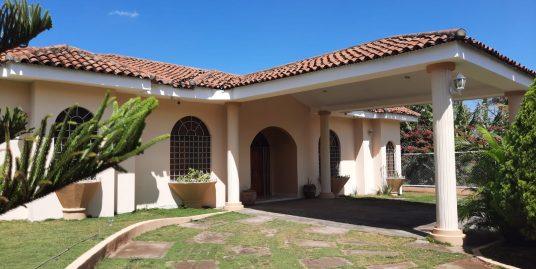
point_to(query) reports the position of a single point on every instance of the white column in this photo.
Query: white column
(446, 229)
(515, 98)
(233, 182)
(325, 170)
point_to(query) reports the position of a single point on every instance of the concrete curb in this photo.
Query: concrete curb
(478, 254)
(91, 257)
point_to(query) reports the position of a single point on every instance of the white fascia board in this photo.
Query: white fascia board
(387, 116)
(199, 94)
(47, 73)
(407, 62)
(492, 64)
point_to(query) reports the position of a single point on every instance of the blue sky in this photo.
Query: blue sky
(244, 36)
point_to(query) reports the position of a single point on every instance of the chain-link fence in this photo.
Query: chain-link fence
(418, 168)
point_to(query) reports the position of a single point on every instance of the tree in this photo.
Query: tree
(20, 23)
(92, 147)
(506, 174)
(516, 195)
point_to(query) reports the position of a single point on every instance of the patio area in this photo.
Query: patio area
(403, 218)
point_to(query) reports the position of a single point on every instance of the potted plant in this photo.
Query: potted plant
(337, 183)
(74, 198)
(248, 197)
(309, 189)
(191, 188)
(395, 182)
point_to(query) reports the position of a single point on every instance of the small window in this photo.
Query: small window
(334, 153)
(189, 147)
(390, 152)
(77, 116)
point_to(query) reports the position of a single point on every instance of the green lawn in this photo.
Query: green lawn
(283, 252)
(406, 196)
(26, 244)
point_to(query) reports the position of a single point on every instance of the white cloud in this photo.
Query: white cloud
(131, 14)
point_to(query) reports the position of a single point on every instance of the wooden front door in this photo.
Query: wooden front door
(260, 166)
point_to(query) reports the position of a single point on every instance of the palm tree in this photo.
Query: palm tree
(20, 23)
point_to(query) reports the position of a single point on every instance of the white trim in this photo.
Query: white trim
(492, 64)
(198, 94)
(49, 73)
(388, 66)
(387, 116)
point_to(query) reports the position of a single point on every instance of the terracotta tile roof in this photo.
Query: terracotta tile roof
(174, 75)
(396, 110)
(71, 58)
(380, 48)
(188, 77)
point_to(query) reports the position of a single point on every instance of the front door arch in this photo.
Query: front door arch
(274, 163)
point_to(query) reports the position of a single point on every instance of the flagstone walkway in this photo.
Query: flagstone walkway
(253, 240)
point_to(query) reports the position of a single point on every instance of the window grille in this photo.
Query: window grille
(334, 153)
(77, 116)
(189, 146)
(390, 152)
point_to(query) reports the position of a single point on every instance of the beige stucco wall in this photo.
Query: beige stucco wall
(15, 94)
(282, 112)
(362, 143)
(152, 168)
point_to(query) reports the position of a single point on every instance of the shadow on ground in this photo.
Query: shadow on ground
(381, 213)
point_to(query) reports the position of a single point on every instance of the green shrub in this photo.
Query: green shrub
(515, 197)
(506, 175)
(194, 176)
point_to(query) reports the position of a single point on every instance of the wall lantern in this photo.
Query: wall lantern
(458, 84)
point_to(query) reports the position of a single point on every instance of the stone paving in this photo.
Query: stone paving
(142, 250)
(339, 242)
(470, 263)
(210, 237)
(314, 243)
(324, 262)
(400, 265)
(206, 264)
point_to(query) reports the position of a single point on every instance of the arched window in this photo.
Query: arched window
(189, 146)
(77, 116)
(390, 157)
(334, 153)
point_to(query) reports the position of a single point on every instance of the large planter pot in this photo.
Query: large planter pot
(337, 184)
(75, 197)
(191, 193)
(309, 191)
(395, 184)
(248, 197)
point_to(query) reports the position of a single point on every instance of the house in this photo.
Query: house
(272, 130)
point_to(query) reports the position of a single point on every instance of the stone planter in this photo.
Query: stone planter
(337, 184)
(74, 198)
(309, 191)
(248, 197)
(395, 184)
(191, 193)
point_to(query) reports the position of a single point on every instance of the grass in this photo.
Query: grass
(416, 197)
(284, 254)
(26, 244)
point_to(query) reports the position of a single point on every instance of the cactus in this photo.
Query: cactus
(92, 147)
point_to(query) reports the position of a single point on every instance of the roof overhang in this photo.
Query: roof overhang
(385, 116)
(487, 76)
(370, 84)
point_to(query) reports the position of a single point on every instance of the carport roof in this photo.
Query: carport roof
(177, 76)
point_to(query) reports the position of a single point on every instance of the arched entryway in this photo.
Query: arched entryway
(274, 164)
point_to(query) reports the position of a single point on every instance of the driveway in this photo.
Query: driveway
(371, 212)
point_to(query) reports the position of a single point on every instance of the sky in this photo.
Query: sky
(243, 36)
